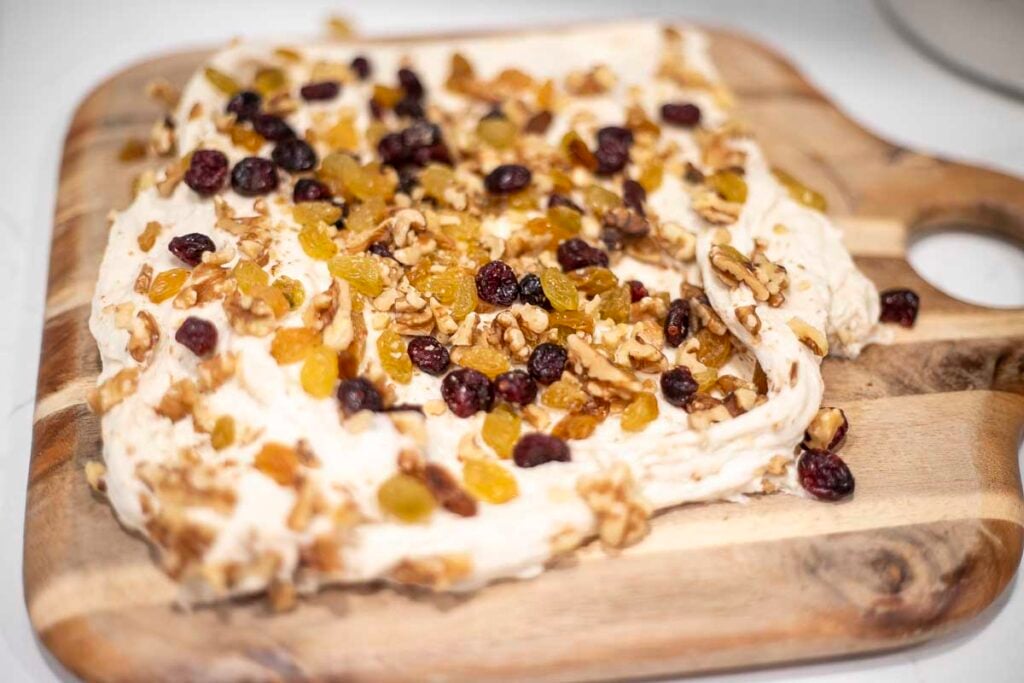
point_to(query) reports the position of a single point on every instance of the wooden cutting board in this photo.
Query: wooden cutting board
(931, 537)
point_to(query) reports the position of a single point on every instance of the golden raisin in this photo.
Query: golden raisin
(559, 289)
(366, 216)
(269, 81)
(651, 176)
(594, 280)
(488, 481)
(221, 81)
(729, 185)
(319, 371)
(599, 200)
(577, 152)
(147, 238)
(501, 430)
(246, 138)
(167, 284)
(292, 289)
(360, 271)
(273, 297)
(489, 361)
(466, 300)
(706, 379)
(309, 214)
(616, 304)
(343, 134)
(249, 275)
(640, 412)
(800, 192)
(386, 96)
(394, 359)
(316, 242)
(496, 131)
(279, 462)
(565, 395)
(132, 150)
(223, 434)
(524, 200)
(565, 222)
(435, 179)
(714, 350)
(575, 426)
(406, 498)
(292, 344)
(573, 320)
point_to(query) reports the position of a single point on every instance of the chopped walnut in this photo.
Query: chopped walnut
(95, 472)
(413, 315)
(216, 370)
(536, 417)
(827, 430)
(339, 331)
(207, 283)
(810, 336)
(161, 137)
(446, 489)
(466, 335)
(178, 401)
(516, 329)
(113, 391)
(438, 572)
(747, 317)
(707, 412)
(766, 280)
(641, 348)
(677, 241)
(629, 223)
(174, 172)
(144, 279)
(249, 315)
(614, 497)
(740, 401)
(144, 336)
(601, 370)
(597, 80)
(162, 91)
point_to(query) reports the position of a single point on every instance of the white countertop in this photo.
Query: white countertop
(52, 52)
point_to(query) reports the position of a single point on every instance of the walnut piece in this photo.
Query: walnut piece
(827, 430)
(601, 370)
(143, 336)
(437, 572)
(144, 279)
(809, 336)
(113, 391)
(614, 498)
(249, 315)
(766, 280)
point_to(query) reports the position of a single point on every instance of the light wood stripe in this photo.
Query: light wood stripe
(876, 237)
(71, 394)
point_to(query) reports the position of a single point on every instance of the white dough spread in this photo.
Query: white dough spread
(235, 456)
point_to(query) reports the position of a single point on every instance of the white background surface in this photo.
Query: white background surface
(52, 53)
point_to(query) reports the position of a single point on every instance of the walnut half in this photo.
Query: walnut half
(613, 496)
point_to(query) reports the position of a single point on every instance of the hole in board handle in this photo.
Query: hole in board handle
(969, 263)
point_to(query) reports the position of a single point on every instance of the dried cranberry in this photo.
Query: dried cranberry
(612, 238)
(467, 392)
(899, 306)
(557, 199)
(207, 171)
(678, 385)
(677, 322)
(254, 176)
(496, 283)
(681, 114)
(547, 362)
(189, 248)
(515, 386)
(507, 178)
(361, 67)
(408, 178)
(376, 111)
(531, 291)
(536, 449)
(611, 158)
(436, 152)
(310, 190)
(380, 249)
(294, 155)
(421, 134)
(358, 394)
(574, 254)
(272, 127)
(429, 355)
(410, 108)
(824, 475)
(244, 105)
(614, 135)
(637, 290)
(324, 90)
(634, 195)
(410, 83)
(197, 335)
(539, 123)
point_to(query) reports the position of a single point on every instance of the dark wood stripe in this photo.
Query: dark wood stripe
(71, 352)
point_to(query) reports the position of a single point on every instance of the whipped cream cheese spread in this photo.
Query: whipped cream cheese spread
(224, 440)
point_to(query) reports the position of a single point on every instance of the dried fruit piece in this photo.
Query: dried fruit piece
(575, 426)
(565, 222)
(254, 176)
(714, 350)
(594, 280)
(292, 290)
(147, 238)
(221, 81)
(899, 306)
(800, 192)
(279, 462)
(729, 185)
(824, 475)
(316, 242)
(559, 290)
(360, 271)
(531, 291)
(292, 344)
(319, 371)
(244, 105)
(223, 434)
(394, 357)
(677, 322)
(576, 151)
(197, 335)
(429, 355)
(490, 362)
(574, 254)
(496, 284)
(467, 392)
(207, 171)
(507, 179)
(366, 216)
(310, 190)
(294, 155)
(684, 114)
(565, 395)
(322, 90)
(637, 290)
(435, 180)
(189, 248)
(272, 127)
(496, 131)
(641, 411)
(358, 394)
(501, 430)
(269, 81)
(406, 498)
(167, 284)
(615, 305)
(599, 200)
(547, 362)
(573, 320)
(515, 387)
(249, 275)
(651, 176)
(678, 386)
(488, 481)
(537, 449)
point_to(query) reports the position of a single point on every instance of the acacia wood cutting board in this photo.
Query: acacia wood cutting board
(930, 539)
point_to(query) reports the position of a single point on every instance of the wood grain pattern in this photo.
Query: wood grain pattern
(931, 537)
